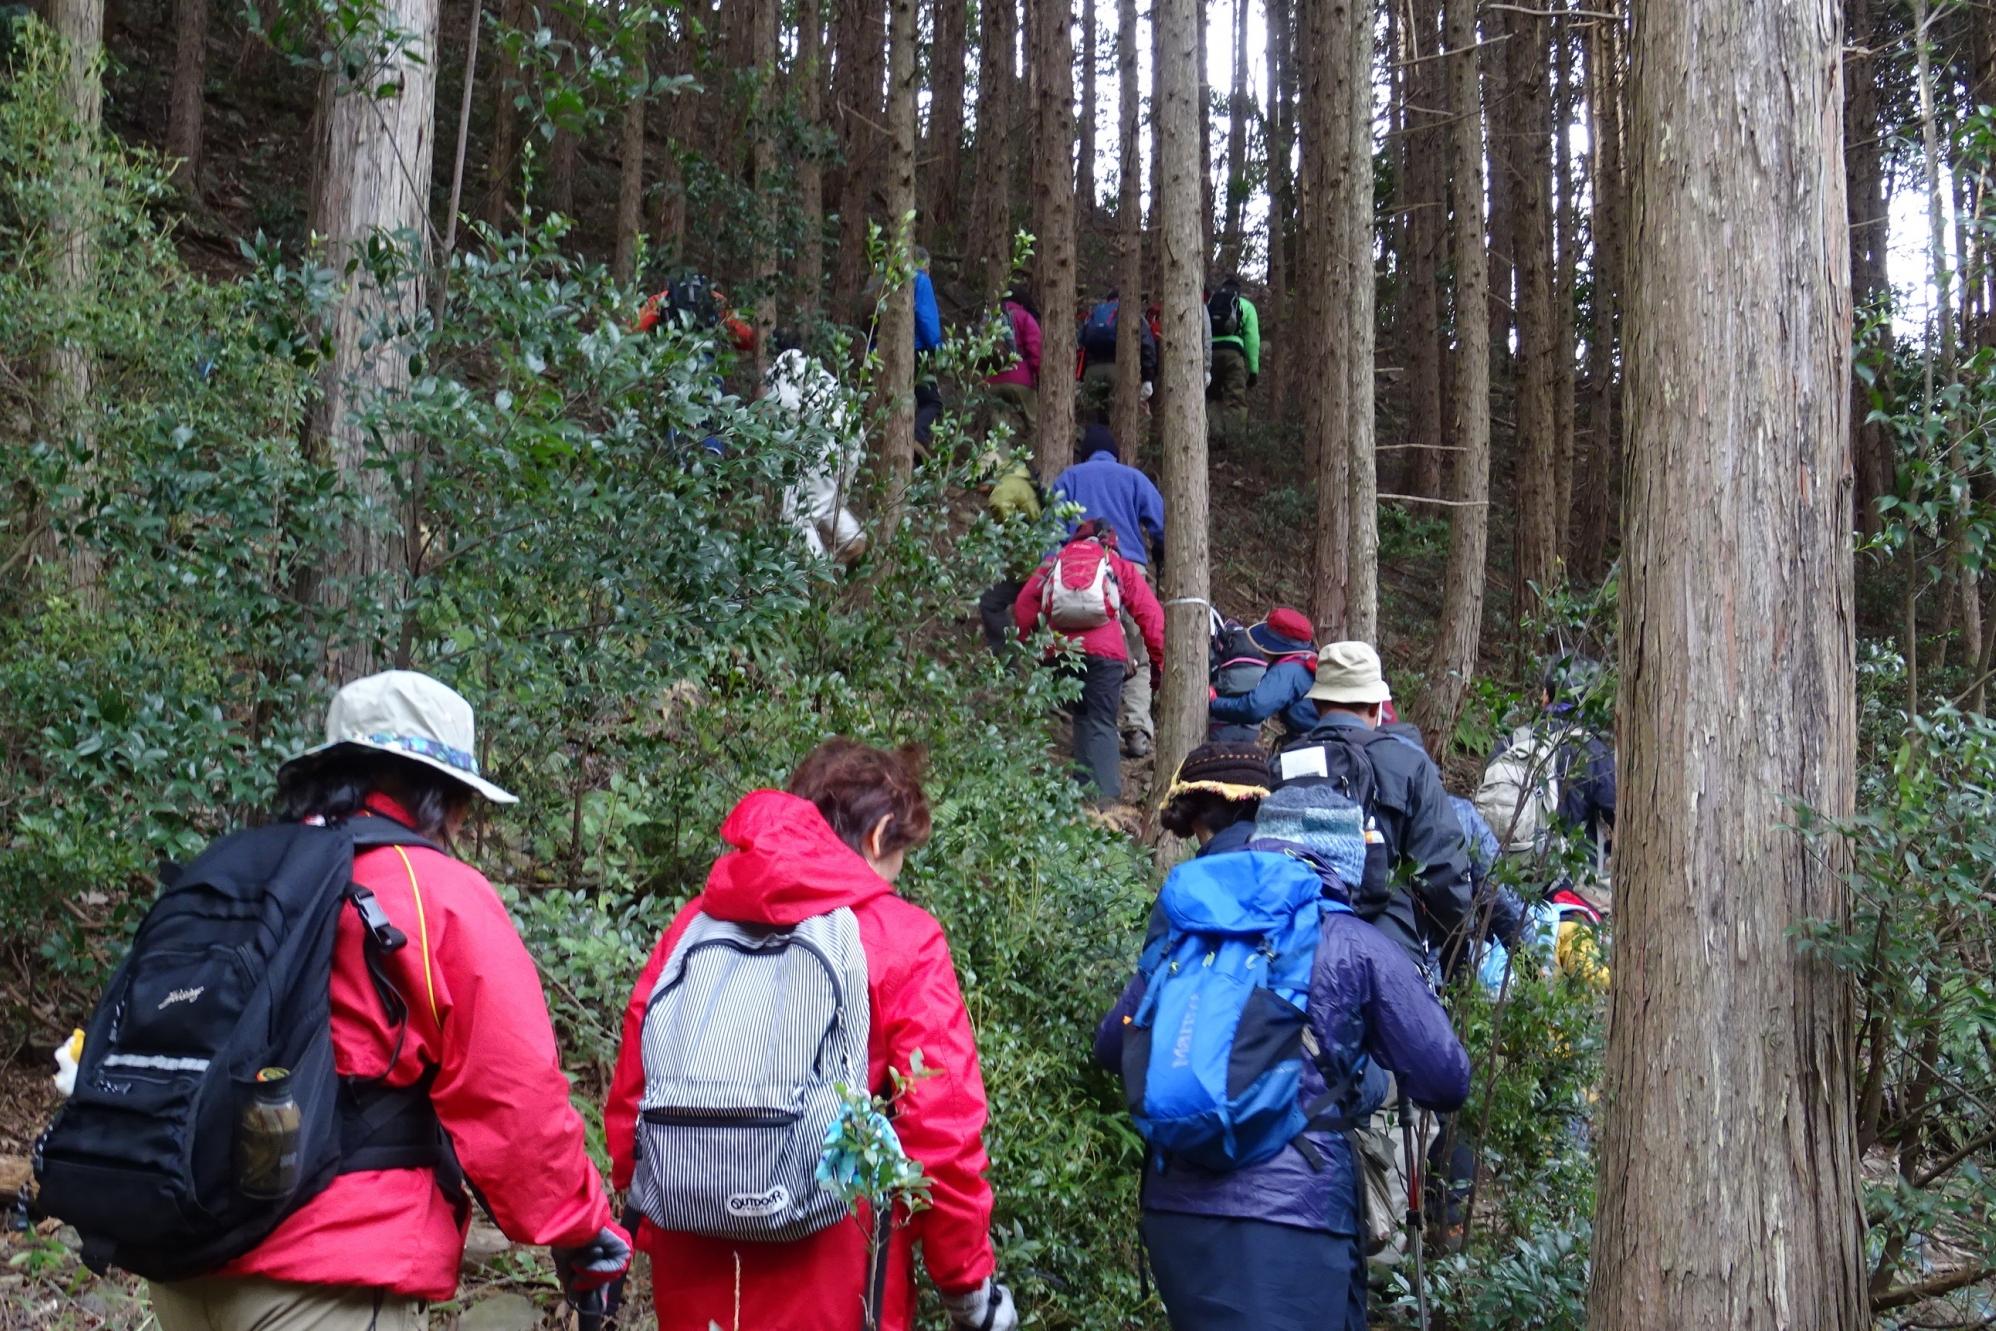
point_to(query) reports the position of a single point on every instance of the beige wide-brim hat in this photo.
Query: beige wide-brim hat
(1349, 672)
(412, 716)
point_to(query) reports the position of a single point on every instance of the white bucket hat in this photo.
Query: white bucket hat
(1348, 672)
(411, 716)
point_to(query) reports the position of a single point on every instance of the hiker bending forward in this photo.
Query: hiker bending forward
(702, 1120)
(1275, 1245)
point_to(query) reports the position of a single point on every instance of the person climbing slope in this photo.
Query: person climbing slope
(721, 1101)
(1111, 492)
(816, 406)
(1015, 387)
(1236, 345)
(439, 1033)
(1259, 1227)
(1082, 592)
(1098, 344)
(1285, 641)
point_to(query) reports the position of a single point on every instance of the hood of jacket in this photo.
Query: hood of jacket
(786, 866)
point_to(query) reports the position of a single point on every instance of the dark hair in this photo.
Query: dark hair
(856, 785)
(786, 339)
(1023, 298)
(337, 785)
(1194, 809)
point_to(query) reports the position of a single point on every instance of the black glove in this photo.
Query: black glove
(1253, 379)
(596, 1263)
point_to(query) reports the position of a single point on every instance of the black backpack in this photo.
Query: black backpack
(1238, 663)
(1225, 310)
(1336, 757)
(229, 974)
(1098, 334)
(692, 294)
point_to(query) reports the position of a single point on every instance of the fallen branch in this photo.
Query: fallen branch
(1445, 503)
(1931, 1289)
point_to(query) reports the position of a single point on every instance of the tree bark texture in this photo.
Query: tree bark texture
(566, 146)
(1181, 122)
(1500, 111)
(858, 91)
(897, 316)
(631, 165)
(71, 371)
(1358, 336)
(997, 115)
(1053, 223)
(502, 159)
(1459, 634)
(1424, 159)
(1598, 491)
(942, 159)
(1276, 131)
(1205, 136)
(374, 177)
(1729, 1184)
(1870, 232)
(808, 81)
(1128, 411)
(1565, 283)
(1084, 170)
(186, 101)
(1239, 107)
(764, 152)
(1530, 121)
(1318, 317)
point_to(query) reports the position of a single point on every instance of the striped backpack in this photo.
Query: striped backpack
(747, 1037)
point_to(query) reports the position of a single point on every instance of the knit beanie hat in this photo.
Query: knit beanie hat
(1318, 821)
(1231, 771)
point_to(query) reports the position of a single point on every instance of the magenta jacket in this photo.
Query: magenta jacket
(1025, 332)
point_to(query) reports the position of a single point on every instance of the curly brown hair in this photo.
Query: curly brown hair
(855, 785)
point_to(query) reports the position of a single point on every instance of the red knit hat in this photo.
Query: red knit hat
(1291, 624)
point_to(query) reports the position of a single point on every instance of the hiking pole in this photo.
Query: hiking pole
(1415, 1223)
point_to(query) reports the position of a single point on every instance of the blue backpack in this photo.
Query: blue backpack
(1213, 1056)
(1098, 334)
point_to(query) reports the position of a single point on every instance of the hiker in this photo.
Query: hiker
(435, 1024)
(1015, 388)
(1417, 886)
(690, 301)
(1280, 689)
(1015, 497)
(1124, 498)
(1556, 775)
(1261, 1226)
(721, 1100)
(1213, 798)
(1097, 341)
(1236, 344)
(812, 400)
(1082, 592)
(928, 338)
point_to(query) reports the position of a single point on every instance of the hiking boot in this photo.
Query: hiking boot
(1136, 744)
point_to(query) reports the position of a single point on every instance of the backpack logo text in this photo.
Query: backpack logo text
(181, 996)
(773, 1202)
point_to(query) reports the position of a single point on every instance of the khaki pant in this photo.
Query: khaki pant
(268, 1305)
(1382, 1160)
(1136, 717)
(1020, 406)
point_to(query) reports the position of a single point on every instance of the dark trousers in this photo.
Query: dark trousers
(928, 409)
(1098, 749)
(994, 608)
(1229, 376)
(1217, 1273)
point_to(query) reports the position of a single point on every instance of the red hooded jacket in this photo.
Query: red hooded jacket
(477, 1016)
(787, 866)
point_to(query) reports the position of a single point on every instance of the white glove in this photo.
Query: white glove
(1209, 378)
(986, 1308)
(1147, 387)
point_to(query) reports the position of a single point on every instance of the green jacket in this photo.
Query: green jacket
(1014, 495)
(1248, 340)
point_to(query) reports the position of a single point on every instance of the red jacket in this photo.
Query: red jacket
(787, 866)
(1104, 640)
(476, 1015)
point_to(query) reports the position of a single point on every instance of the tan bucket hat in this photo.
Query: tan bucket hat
(412, 716)
(1349, 672)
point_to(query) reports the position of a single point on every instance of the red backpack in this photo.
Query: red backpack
(1080, 591)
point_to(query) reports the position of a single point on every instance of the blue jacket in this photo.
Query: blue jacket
(1284, 691)
(1366, 999)
(1121, 496)
(928, 317)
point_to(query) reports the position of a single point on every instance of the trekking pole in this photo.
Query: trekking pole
(1415, 1222)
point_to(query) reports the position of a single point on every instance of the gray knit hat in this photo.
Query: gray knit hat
(1315, 819)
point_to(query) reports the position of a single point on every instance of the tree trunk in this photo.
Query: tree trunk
(1598, 491)
(1053, 223)
(1497, 96)
(503, 158)
(1239, 107)
(1423, 166)
(374, 172)
(185, 99)
(70, 372)
(897, 316)
(1084, 186)
(942, 160)
(631, 164)
(808, 82)
(991, 194)
(1537, 428)
(1870, 228)
(764, 38)
(565, 148)
(1565, 282)
(1205, 138)
(1320, 316)
(860, 75)
(1276, 126)
(1736, 692)
(1457, 637)
(1128, 420)
(1182, 702)
(1357, 337)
